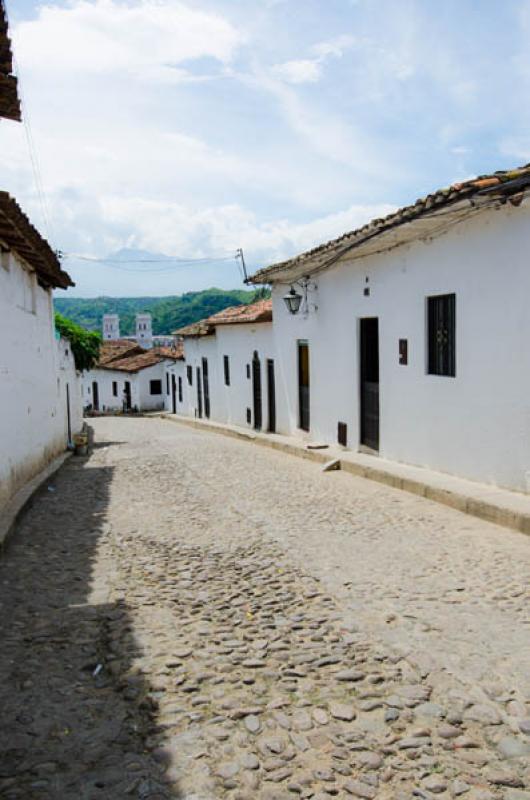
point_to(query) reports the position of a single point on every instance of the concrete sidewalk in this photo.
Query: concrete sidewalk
(500, 506)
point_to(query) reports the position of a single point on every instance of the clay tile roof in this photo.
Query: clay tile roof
(505, 184)
(201, 328)
(9, 99)
(256, 312)
(114, 349)
(175, 352)
(18, 234)
(134, 362)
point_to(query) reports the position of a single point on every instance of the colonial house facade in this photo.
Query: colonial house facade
(408, 338)
(227, 369)
(127, 378)
(39, 388)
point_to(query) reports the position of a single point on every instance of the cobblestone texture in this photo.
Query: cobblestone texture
(187, 616)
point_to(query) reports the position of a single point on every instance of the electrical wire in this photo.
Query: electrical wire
(32, 150)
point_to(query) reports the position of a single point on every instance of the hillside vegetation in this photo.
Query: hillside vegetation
(169, 313)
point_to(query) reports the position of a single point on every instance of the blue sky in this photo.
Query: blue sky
(193, 128)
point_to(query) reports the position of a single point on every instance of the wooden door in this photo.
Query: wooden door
(128, 401)
(369, 382)
(206, 387)
(174, 393)
(95, 396)
(303, 385)
(271, 395)
(68, 415)
(199, 392)
(256, 391)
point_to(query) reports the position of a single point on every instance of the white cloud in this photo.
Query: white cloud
(147, 38)
(309, 70)
(303, 71)
(174, 228)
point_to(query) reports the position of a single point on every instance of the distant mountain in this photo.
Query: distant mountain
(169, 313)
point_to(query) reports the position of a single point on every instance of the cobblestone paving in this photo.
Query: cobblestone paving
(175, 625)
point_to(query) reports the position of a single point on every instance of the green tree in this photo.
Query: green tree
(85, 344)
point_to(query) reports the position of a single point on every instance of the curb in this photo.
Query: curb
(24, 497)
(482, 509)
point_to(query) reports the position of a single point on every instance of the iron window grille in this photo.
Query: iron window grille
(441, 323)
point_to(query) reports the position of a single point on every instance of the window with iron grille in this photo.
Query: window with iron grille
(115, 388)
(441, 324)
(189, 372)
(155, 387)
(226, 363)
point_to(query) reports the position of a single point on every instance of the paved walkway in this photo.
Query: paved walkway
(186, 616)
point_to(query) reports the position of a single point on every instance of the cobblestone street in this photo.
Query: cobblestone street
(184, 615)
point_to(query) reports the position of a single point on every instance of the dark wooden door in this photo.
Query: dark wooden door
(128, 402)
(303, 386)
(174, 393)
(95, 396)
(199, 392)
(369, 332)
(68, 414)
(271, 395)
(256, 390)
(206, 386)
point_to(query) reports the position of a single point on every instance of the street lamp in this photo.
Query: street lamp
(292, 300)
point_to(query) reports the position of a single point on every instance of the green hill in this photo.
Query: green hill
(169, 313)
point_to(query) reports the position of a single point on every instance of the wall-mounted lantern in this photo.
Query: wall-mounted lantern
(296, 302)
(292, 300)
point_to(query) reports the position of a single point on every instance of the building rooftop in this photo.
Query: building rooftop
(261, 311)
(126, 356)
(9, 97)
(427, 216)
(256, 312)
(114, 349)
(18, 234)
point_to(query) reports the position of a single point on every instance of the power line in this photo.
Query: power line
(33, 155)
(165, 260)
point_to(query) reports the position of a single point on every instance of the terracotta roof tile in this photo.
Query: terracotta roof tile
(135, 362)
(503, 184)
(18, 234)
(261, 311)
(9, 97)
(256, 312)
(114, 349)
(126, 356)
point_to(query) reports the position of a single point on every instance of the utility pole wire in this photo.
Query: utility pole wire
(240, 255)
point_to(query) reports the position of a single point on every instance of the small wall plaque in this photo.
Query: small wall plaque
(403, 351)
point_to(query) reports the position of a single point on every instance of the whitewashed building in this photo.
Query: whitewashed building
(409, 336)
(228, 371)
(40, 397)
(127, 378)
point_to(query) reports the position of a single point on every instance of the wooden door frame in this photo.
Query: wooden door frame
(363, 446)
(174, 393)
(271, 396)
(301, 343)
(257, 395)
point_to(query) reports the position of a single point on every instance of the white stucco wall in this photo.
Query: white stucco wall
(141, 397)
(228, 404)
(34, 371)
(475, 425)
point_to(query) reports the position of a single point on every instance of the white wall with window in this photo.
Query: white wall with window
(465, 409)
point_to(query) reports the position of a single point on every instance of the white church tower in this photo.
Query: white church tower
(144, 330)
(111, 327)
